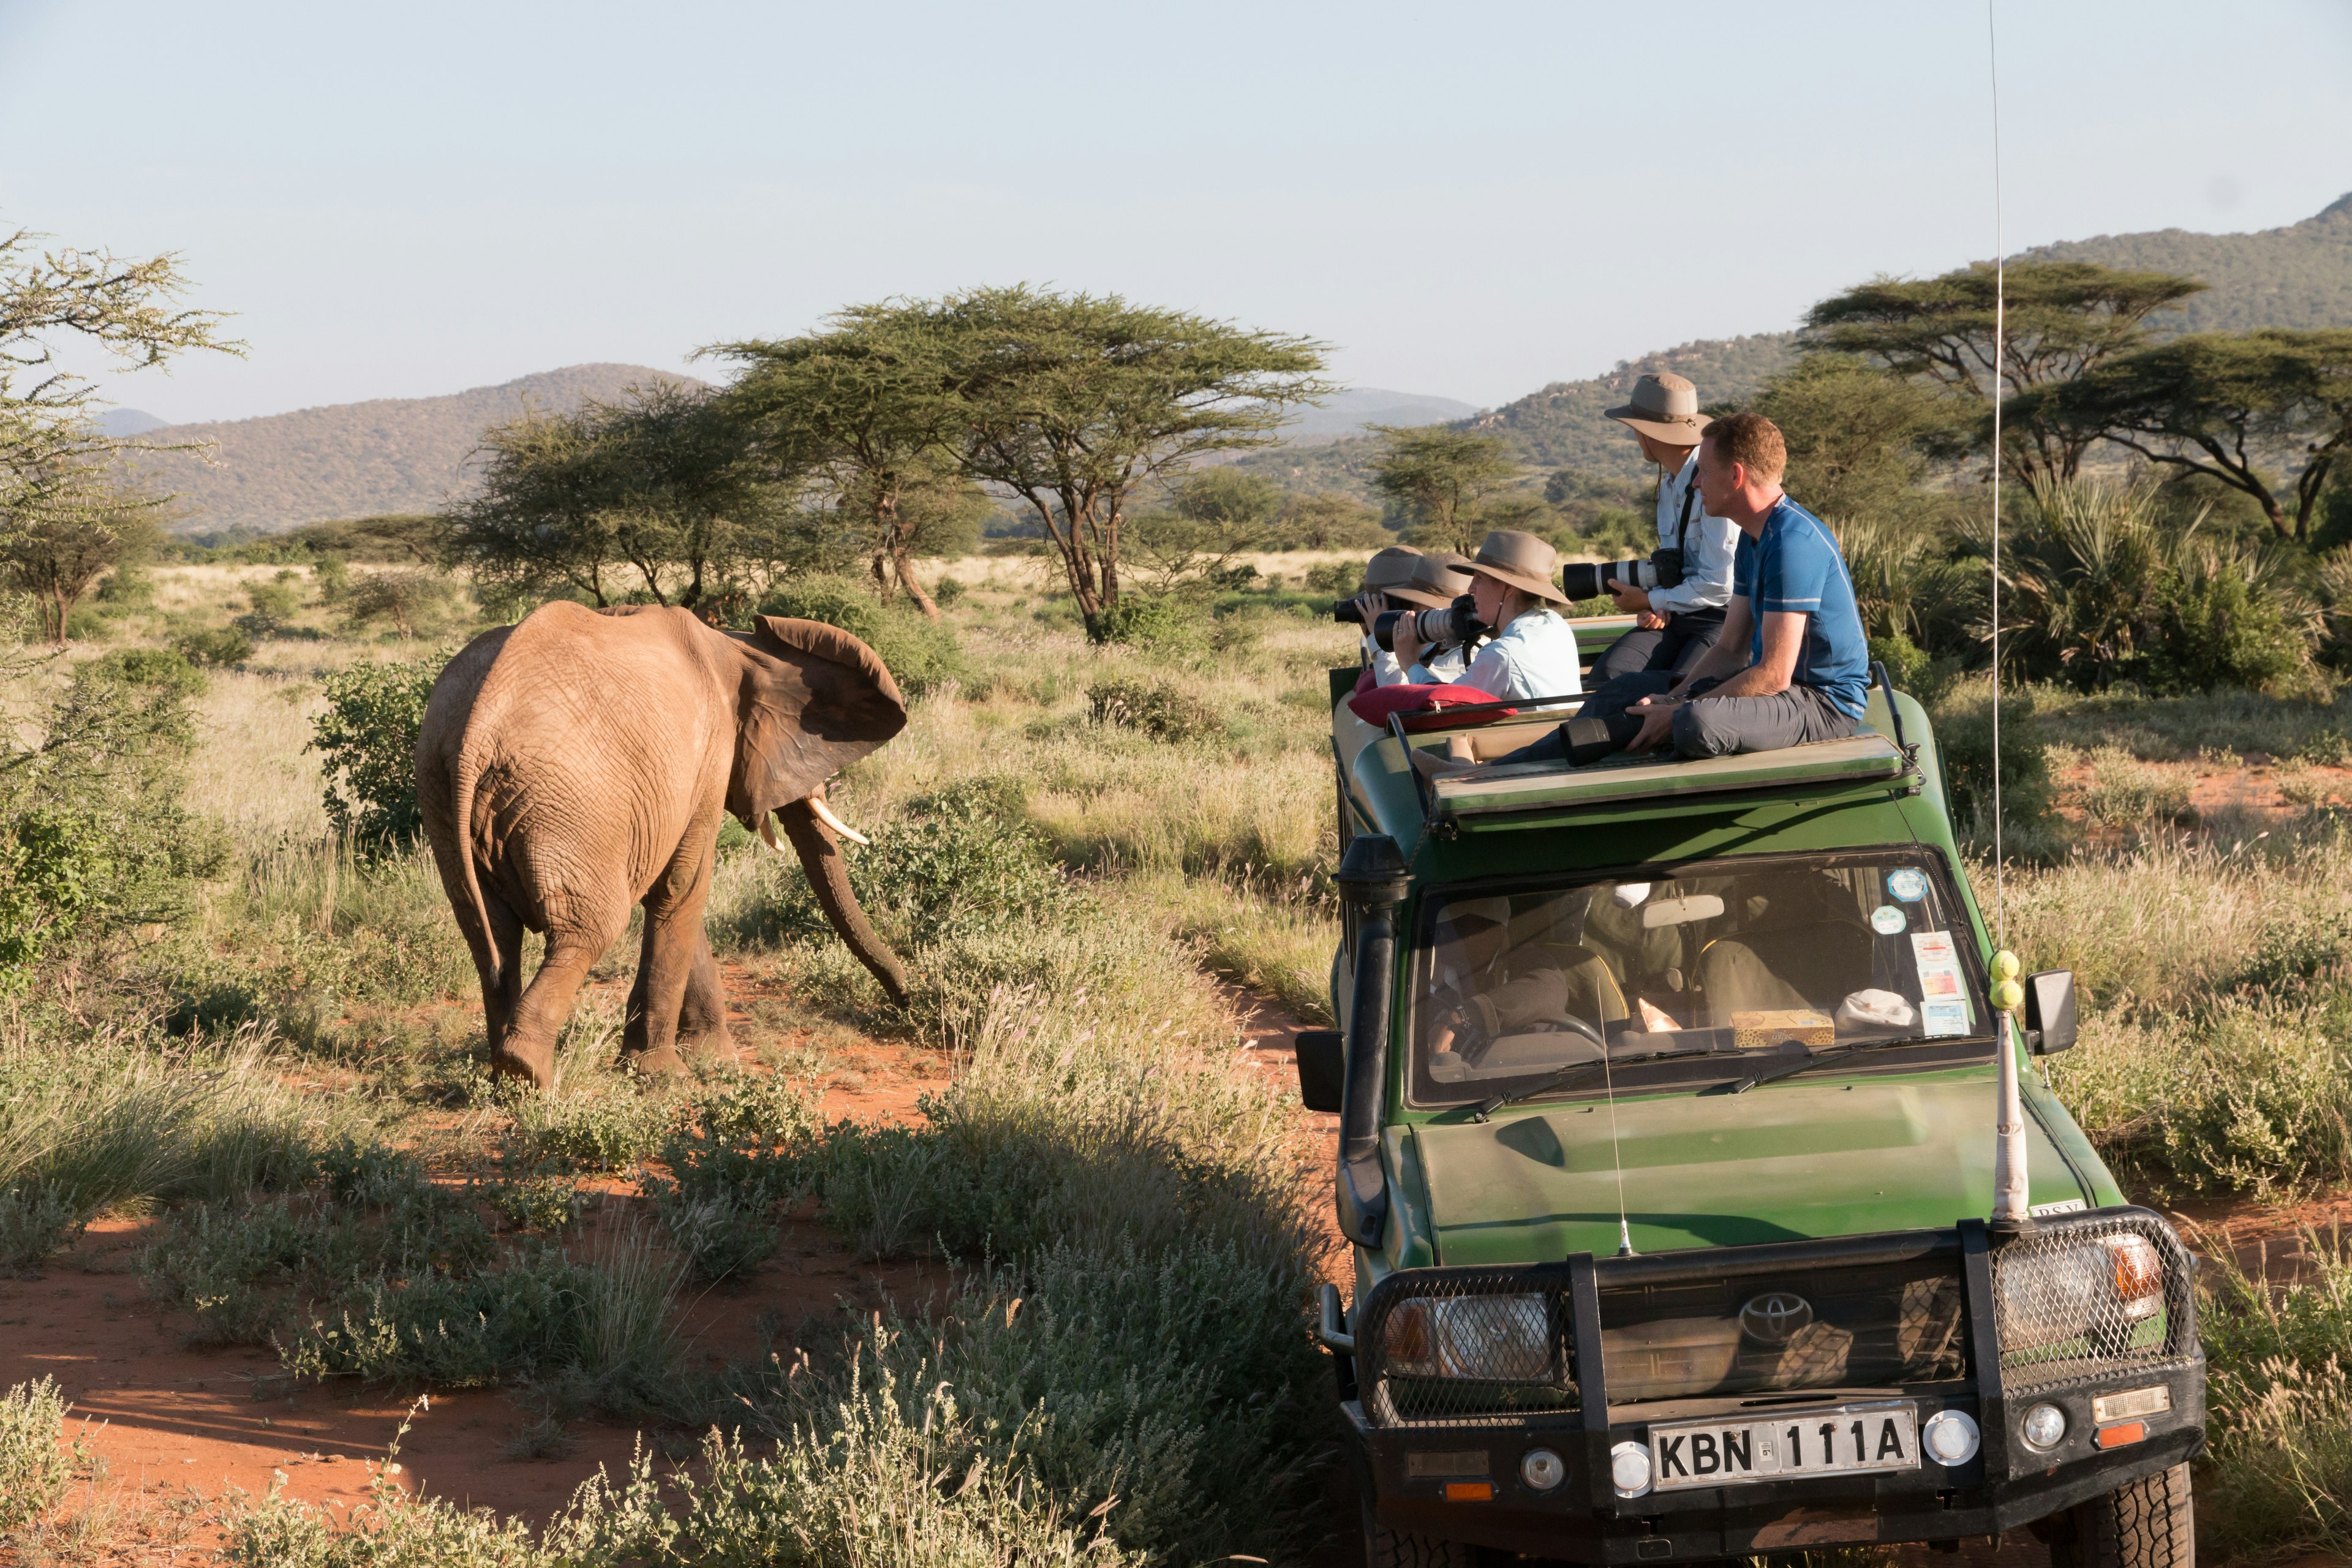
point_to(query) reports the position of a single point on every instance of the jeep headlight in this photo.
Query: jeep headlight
(2099, 1288)
(1491, 1339)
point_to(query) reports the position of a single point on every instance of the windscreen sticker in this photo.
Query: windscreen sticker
(1909, 884)
(1944, 1018)
(1886, 920)
(1939, 970)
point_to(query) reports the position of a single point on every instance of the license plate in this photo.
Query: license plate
(1841, 1440)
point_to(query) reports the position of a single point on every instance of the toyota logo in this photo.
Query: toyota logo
(1776, 1317)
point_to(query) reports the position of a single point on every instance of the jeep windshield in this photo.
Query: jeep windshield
(1692, 974)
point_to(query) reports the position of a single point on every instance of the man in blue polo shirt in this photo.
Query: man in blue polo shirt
(1792, 664)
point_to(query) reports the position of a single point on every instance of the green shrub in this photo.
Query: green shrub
(1169, 623)
(35, 1466)
(93, 838)
(1162, 710)
(332, 579)
(414, 603)
(34, 1222)
(368, 736)
(222, 647)
(2126, 793)
(1964, 734)
(607, 1319)
(275, 605)
(948, 592)
(961, 862)
(1906, 663)
(2278, 1473)
(921, 654)
(2216, 629)
(1339, 579)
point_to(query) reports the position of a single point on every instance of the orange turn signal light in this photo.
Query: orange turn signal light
(1469, 1491)
(2116, 1436)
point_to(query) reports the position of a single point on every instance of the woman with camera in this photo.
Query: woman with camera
(1531, 650)
(1681, 616)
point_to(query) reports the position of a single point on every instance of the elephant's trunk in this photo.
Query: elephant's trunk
(820, 854)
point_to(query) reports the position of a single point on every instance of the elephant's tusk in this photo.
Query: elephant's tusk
(824, 815)
(768, 832)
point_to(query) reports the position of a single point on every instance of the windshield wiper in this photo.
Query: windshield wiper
(1561, 1079)
(1812, 1060)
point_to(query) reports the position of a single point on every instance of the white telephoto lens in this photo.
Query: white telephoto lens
(1629, 1468)
(2044, 1425)
(1542, 1470)
(1951, 1437)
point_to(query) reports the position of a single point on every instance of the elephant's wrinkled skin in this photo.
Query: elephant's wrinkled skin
(579, 762)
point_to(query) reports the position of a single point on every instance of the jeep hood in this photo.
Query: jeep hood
(1784, 1162)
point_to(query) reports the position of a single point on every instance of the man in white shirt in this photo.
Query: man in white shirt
(1676, 625)
(1515, 578)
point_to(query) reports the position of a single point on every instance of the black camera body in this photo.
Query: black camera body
(1349, 612)
(1457, 623)
(1588, 579)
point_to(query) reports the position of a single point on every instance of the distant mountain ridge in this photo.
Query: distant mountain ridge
(2299, 276)
(359, 459)
(408, 455)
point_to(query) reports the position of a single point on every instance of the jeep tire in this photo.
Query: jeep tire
(2146, 1523)
(1386, 1548)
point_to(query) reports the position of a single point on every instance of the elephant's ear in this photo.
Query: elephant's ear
(813, 700)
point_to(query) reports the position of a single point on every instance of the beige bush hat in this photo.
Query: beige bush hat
(1437, 582)
(1665, 408)
(1521, 560)
(1391, 569)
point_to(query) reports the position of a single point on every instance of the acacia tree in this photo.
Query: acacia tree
(2063, 319)
(1440, 477)
(661, 488)
(62, 528)
(2243, 408)
(127, 308)
(1072, 402)
(865, 409)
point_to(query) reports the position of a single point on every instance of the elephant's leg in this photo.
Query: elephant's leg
(666, 965)
(702, 1020)
(546, 1005)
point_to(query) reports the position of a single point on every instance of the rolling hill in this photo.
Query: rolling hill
(357, 459)
(2299, 276)
(408, 455)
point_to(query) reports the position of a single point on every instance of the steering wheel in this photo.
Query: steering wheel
(1556, 1023)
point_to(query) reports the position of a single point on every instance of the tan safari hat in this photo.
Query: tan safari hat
(1437, 582)
(1665, 408)
(1521, 560)
(1391, 569)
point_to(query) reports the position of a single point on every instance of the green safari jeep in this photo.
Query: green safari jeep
(1667, 1098)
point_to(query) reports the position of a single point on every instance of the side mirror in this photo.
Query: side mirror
(2049, 1011)
(1322, 1068)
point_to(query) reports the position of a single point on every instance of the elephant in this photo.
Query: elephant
(578, 762)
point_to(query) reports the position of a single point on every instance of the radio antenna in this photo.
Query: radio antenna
(2012, 1189)
(1608, 1084)
(2000, 339)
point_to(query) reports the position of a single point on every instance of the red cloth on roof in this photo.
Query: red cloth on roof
(1374, 706)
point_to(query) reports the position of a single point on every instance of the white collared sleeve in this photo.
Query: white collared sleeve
(1706, 565)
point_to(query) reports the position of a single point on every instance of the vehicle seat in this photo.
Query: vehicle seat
(1816, 965)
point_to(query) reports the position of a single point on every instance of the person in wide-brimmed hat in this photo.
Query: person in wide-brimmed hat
(1401, 577)
(1515, 581)
(1674, 626)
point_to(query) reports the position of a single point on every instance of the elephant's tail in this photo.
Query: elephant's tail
(461, 804)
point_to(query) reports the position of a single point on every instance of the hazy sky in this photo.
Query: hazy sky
(1467, 200)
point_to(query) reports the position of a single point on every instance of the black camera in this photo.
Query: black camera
(1457, 623)
(1351, 611)
(1586, 579)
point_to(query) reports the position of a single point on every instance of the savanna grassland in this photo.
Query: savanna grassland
(1063, 1240)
